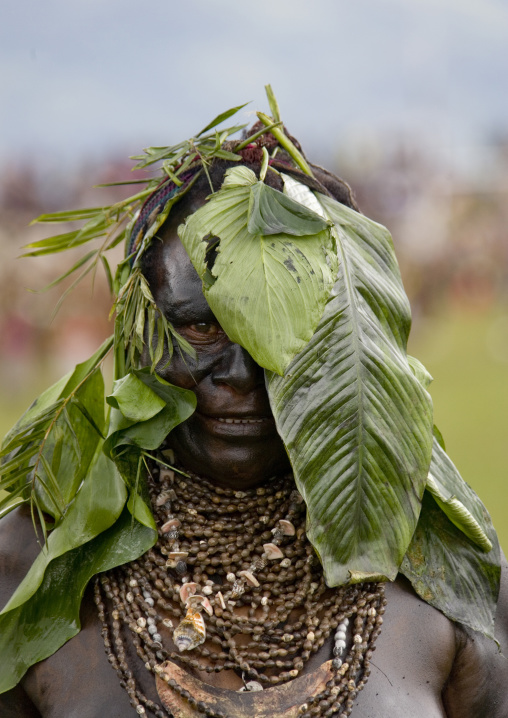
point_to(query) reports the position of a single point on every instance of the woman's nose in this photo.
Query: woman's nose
(238, 370)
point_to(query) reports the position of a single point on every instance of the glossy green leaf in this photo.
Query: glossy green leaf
(267, 292)
(36, 628)
(272, 212)
(221, 118)
(355, 420)
(96, 507)
(450, 572)
(134, 399)
(457, 500)
(164, 406)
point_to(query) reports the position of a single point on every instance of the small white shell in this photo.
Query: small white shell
(188, 589)
(249, 577)
(198, 603)
(220, 598)
(287, 527)
(272, 552)
(253, 686)
(167, 474)
(162, 498)
(170, 525)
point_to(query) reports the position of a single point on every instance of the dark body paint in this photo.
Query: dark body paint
(424, 665)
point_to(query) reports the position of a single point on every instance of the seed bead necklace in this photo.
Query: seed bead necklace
(235, 563)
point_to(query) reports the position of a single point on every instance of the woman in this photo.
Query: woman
(229, 613)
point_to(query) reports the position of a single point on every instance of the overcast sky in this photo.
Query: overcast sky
(86, 78)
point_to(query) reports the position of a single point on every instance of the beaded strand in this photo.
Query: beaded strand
(214, 541)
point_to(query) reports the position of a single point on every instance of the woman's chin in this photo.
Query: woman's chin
(227, 459)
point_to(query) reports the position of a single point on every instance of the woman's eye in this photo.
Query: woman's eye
(202, 332)
(208, 329)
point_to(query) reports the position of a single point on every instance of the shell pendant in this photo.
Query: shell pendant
(191, 631)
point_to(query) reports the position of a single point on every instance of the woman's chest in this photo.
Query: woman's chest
(79, 681)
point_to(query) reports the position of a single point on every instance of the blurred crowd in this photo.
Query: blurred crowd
(449, 228)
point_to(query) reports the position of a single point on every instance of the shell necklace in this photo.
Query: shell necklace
(233, 584)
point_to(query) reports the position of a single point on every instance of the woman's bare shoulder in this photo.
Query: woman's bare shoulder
(18, 550)
(478, 683)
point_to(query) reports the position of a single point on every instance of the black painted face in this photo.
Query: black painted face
(231, 438)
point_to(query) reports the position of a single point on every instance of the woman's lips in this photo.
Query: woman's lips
(238, 426)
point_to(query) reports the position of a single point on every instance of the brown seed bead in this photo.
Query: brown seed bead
(323, 610)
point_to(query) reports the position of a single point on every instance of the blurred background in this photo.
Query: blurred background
(406, 99)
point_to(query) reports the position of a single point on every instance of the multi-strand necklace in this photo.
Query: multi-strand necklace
(232, 565)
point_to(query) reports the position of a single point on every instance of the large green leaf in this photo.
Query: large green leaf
(96, 507)
(52, 446)
(146, 408)
(267, 291)
(37, 628)
(458, 500)
(355, 420)
(450, 572)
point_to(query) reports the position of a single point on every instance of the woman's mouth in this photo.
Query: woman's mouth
(229, 420)
(238, 426)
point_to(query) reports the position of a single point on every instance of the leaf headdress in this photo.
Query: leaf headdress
(312, 290)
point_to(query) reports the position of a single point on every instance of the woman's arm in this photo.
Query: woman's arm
(16, 704)
(478, 684)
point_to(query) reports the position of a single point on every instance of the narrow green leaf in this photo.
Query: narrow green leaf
(256, 135)
(15, 476)
(69, 289)
(285, 142)
(68, 423)
(86, 368)
(272, 101)
(18, 459)
(167, 169)
(159, 350)
(221, 118)
(225, 155)
(70, 215)
(107, 269)
(54, 491)
(83, 409)
(12, 500)
(83, 260)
